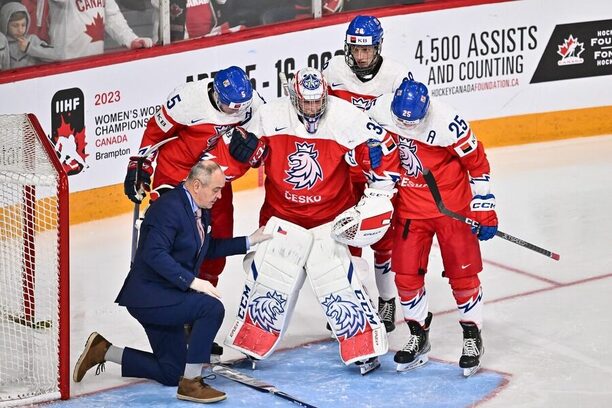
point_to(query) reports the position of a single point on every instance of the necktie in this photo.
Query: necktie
(198, 217)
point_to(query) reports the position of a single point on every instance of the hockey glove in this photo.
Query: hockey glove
(247, 148)
(138, 178)
(483, 208)
(376, 153)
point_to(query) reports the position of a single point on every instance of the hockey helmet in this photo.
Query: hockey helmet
(363, 31)
(308, 92)
(410, 103)
(233, 90)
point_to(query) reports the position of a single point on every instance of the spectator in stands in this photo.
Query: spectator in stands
(39, 18)
(196, 18)
(77, 28)
(24, 49)
(364, 4)
(5, 59)
(252, 13)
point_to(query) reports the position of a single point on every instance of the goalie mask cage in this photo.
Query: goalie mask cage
(34, 308)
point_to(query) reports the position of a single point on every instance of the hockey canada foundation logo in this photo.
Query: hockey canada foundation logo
(570, 51)
(68, 129)
(576, 50)
(304, 169)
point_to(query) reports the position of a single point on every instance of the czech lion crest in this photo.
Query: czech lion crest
(304, 169)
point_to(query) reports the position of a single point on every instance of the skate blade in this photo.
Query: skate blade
(468, 372)
(401, 367)
(252, 360)
(369, 367)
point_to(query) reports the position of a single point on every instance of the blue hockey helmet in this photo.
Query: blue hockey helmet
(363, 31)
(410, 103)
(233, 90)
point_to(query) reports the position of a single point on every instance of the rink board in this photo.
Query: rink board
(315, 374)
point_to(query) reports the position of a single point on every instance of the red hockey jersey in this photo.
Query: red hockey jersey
(190, 114)
(307, 177)
(445, 144)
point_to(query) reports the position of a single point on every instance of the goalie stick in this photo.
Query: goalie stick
(256, 384)
(136, 214)
(435, 192)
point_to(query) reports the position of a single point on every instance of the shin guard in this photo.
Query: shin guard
(274, 278)
(346, 305)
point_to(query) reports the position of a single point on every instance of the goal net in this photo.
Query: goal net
(34, 317)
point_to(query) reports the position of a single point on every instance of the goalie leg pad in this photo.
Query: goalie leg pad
(346, 305)
(274, 278)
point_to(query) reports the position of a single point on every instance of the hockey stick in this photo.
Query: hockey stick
(256, 384)
(136, 214)
(284, 83)
(435, 192)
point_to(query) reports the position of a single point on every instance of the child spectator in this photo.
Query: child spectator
(5, 59)
(24, 49)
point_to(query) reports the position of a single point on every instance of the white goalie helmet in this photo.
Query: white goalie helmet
(367, 222)
(308, 92)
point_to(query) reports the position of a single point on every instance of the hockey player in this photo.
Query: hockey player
(307, 186)
(198, 113)
(359, 76)
(434, 136)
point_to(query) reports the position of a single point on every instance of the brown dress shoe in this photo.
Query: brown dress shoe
(197, 391)
(95, 350)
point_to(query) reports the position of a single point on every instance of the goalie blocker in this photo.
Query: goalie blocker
(274, 277)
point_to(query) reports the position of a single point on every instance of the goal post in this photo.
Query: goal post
(34, 266)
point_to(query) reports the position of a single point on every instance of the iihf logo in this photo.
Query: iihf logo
(304, 169)
(265, 310)
(348, 318)
(570, 51)
(410, 162)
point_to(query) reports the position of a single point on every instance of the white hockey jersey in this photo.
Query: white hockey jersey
(189, 114)
(77, 27)
(445, 144)
(307, 178)
(344, 84)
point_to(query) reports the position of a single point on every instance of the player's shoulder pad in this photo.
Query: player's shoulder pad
(337, 72)
(349, 125)
(189, 103)
(273, 117)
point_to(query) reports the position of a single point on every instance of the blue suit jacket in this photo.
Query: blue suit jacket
(168, 257)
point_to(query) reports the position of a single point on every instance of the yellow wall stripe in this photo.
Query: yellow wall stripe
(513, 130)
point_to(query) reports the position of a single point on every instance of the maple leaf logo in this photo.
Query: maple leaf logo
(96, 29)
(70, 162)
(570, 51)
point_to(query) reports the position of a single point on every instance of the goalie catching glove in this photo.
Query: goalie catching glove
(247, 148)
(367, 222)
(138, 178)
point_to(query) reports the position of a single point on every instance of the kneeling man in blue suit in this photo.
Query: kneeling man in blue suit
(162, 290)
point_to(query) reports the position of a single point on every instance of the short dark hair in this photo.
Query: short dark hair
(18, 15)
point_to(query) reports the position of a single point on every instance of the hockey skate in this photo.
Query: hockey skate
(368, 366)
(473, 349)
(386, 312)
(415, 353)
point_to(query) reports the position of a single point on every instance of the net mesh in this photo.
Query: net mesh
(29, 264)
